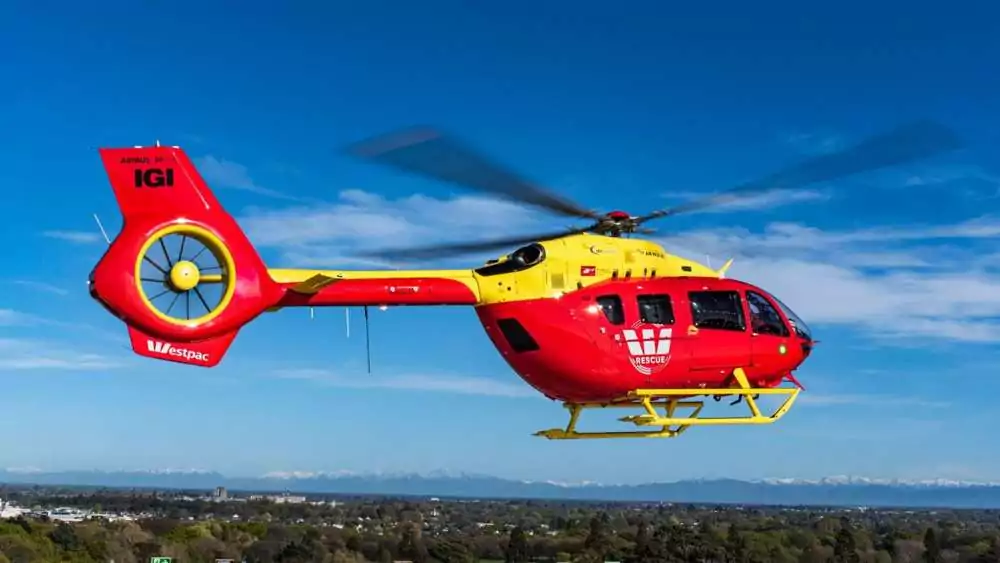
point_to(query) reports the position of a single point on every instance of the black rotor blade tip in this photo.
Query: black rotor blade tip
(387, 142)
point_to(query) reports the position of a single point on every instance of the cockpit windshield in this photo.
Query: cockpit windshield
(800, 326)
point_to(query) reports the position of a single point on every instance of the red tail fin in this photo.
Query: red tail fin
(161, 181)
(162, 196)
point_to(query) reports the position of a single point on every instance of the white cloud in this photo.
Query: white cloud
(76, 237)
(41, 286)
(782, 237)
(886, 401)
(893, 282)
(10, 317)
(21, 354)
(414, 382)
(940, 174)
(360, 220)
(229, 174)
(763, 200)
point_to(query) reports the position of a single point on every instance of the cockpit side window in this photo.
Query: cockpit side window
(720, 310)
(764, 318)
(611, 306)
(655, 309)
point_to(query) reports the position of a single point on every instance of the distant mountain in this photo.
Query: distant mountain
(833, 491)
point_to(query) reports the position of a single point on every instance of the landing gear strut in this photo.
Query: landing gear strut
(668, 425)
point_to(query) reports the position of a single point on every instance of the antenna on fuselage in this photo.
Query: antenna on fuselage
(724, 268)
(101, 227)
(368, 343)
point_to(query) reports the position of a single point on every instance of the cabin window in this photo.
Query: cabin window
(764, 318)
(656, 309)
(721, 310)
(517, 336)
(611, 306)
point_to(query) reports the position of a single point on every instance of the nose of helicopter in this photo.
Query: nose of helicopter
(781, 342)
(798, 326)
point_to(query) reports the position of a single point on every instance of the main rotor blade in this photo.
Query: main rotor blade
(449, 250)
(431, 153)
(913, 141)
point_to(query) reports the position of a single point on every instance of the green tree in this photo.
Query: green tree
(385, 552)
(736, 546)
(65, 537)
(816, 553)
(845, 547)
(932, 547)
(642, 549)
(992, 554)
(517, 547)
(295, 552)
(411, 545)
(452, 550)
(598, 540)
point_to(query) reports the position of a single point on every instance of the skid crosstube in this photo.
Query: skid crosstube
(668, 425)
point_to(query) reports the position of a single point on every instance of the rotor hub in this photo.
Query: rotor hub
(184, 275)
(615, 223)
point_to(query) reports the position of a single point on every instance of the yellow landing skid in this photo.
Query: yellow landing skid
(667, 426)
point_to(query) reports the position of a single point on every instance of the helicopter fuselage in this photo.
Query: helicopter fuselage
(599, 343)
(588, 318)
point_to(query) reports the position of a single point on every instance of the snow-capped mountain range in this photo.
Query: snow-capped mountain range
(836, 491)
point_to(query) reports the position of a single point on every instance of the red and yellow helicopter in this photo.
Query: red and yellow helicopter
(589, 316)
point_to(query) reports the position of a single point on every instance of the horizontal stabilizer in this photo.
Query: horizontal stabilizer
(205, 353)
(313, 284)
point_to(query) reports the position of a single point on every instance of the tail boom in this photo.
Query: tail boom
(330, 288)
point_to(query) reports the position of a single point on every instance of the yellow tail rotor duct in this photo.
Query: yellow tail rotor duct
(185, 274)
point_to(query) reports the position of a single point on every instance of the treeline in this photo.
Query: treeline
(386, 530)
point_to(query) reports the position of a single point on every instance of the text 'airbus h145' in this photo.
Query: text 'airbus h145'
(590, 316)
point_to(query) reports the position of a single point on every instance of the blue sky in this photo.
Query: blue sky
(633, 106)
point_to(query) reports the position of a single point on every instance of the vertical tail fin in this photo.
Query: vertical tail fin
(181, 270)
(159, 181)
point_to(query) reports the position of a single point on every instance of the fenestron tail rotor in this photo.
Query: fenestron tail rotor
(433, 154)
(185, 275)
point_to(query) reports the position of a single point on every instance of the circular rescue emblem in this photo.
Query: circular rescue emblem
(648, 346)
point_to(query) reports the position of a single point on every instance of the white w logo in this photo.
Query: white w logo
(158, 347)
(648, 348)
(648, 345)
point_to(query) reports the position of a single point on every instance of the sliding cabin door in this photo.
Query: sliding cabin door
(719, 335)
